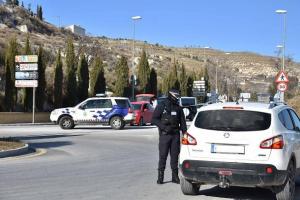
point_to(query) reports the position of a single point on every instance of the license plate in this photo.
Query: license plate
(228, 149)
(225, 172)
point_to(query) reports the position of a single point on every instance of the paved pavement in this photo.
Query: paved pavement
(92, 163)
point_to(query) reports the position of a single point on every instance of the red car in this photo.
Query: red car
(143, 112)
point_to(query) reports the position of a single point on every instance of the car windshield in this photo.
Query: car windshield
(136, 106)
(143, 98)
(188, 101)
(123, 103)
(233, 120)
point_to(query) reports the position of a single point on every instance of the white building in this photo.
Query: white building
(76, 29)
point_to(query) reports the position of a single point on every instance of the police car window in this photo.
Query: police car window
(90, 104)
(105, 103)
(295, 118)
(286, 120)
(233, 120)
(123, 103)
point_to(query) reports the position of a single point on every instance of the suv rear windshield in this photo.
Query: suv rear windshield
(123, 103)
(233, 120)
(188, 101)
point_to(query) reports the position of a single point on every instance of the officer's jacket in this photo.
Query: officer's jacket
(176, 117)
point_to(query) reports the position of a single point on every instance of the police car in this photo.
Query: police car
(113, 111)
(242, 144)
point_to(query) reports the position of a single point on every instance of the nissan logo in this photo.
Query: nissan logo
(226, 135)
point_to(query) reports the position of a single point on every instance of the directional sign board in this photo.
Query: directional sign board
(199, 88)
(26, 59)
(27, 67)
(282, 87)
(26, 73)
(26, 83)
(281, 77)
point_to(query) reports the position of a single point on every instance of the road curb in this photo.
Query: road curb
(15, 152)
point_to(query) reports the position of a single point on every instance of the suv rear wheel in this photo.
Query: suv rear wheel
(117, 123)
(189, 188)
(287, 191)
(66, 122)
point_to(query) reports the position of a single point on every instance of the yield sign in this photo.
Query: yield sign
(281, 77)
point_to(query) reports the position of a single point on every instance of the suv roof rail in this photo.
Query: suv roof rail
(274, 104)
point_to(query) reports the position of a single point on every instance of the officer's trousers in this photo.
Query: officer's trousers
(169, 143)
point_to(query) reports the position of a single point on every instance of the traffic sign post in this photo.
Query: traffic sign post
(26, 75)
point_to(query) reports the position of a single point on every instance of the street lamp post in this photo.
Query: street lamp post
(283, 12)
(134, 18)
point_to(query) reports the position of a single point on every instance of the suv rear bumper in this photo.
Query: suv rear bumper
(243, 174)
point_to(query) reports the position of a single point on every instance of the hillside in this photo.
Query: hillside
(249, 71)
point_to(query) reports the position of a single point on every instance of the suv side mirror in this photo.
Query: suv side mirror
(81, 107)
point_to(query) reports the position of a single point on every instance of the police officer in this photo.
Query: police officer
(169, 118)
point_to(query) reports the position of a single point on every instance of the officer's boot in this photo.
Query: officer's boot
(175, 178)
(160, 178)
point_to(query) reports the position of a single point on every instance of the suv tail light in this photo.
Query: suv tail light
(187, 139)
(273, 143)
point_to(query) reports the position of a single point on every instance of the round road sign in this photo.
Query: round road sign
(282, 86)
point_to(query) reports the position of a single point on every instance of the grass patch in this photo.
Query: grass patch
(9, 144)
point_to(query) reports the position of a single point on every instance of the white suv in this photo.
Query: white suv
(246, 144)
(115, 111)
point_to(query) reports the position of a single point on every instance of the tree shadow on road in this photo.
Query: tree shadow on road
(239, 193)
(40, 137)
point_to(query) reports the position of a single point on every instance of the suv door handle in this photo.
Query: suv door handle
(92, 111)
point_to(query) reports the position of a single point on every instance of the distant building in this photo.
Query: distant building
(76, 29)
(2, 2)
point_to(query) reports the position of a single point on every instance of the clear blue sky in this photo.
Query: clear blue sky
(228, 25)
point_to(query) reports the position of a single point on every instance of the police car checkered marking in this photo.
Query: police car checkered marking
(66, 111)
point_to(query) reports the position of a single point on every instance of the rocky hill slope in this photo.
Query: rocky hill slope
(249, 71)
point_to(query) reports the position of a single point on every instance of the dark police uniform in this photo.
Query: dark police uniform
(169, 118)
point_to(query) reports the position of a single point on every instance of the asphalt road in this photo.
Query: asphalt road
(95, 163)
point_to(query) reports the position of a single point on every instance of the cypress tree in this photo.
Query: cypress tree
(173, 77)
(58, 81)
(98, 82)
(183, 81)
(100, 86)
(40, 91)
(9, 2)
(27, 92)
(206, 78)
(83, 78)
(190, 83)
(153, 81)
(39, 12)
(71, 85)
(143, 73)
(10, 90)
(122, 72)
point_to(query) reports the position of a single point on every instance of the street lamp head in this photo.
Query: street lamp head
(136, 17)
(281, 11)
(279, 46)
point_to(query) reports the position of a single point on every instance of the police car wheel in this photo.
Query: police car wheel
(117, 123)
(66, 122)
